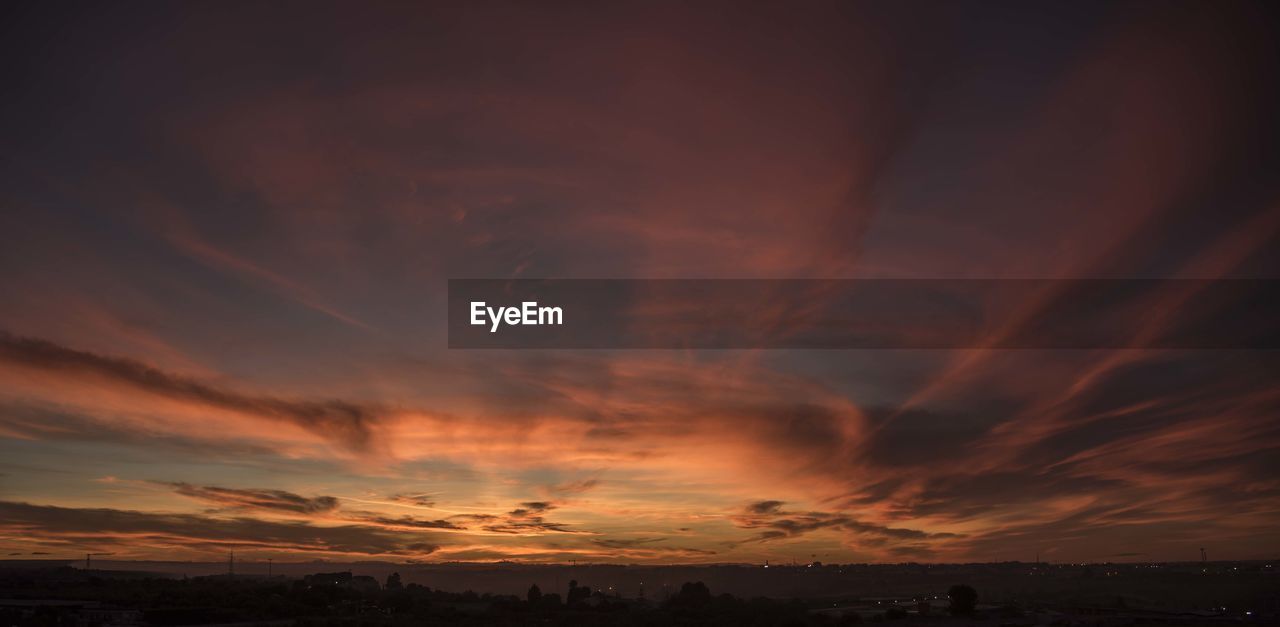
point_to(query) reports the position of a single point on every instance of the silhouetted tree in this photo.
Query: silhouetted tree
(535, 594)
(695, 594)
(577, 594)
(963, 599)
(393, 582)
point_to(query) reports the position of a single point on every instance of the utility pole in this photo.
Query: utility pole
(231, 564)
(88, 559)
(1204, 557)
(268, 567)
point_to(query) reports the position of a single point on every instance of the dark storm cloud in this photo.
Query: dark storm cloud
(103, 527)
(348, 424)
(278, 500)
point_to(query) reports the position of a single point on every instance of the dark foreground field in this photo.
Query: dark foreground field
(173, 593)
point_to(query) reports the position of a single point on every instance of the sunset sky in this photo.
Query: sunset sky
(227, 230)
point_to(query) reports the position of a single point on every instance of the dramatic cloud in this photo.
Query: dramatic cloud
(278, 500)
(346, 423)
(529, 508)
(764, 507)
(419, 500)
(777, 524)
(94, 528)
(528, 519)
(228, 267)
(407, 522)
(646, 548)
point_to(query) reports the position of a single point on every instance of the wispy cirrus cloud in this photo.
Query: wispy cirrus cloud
(164, 533)
(259, 499)
(347, 424)
(775, 523)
